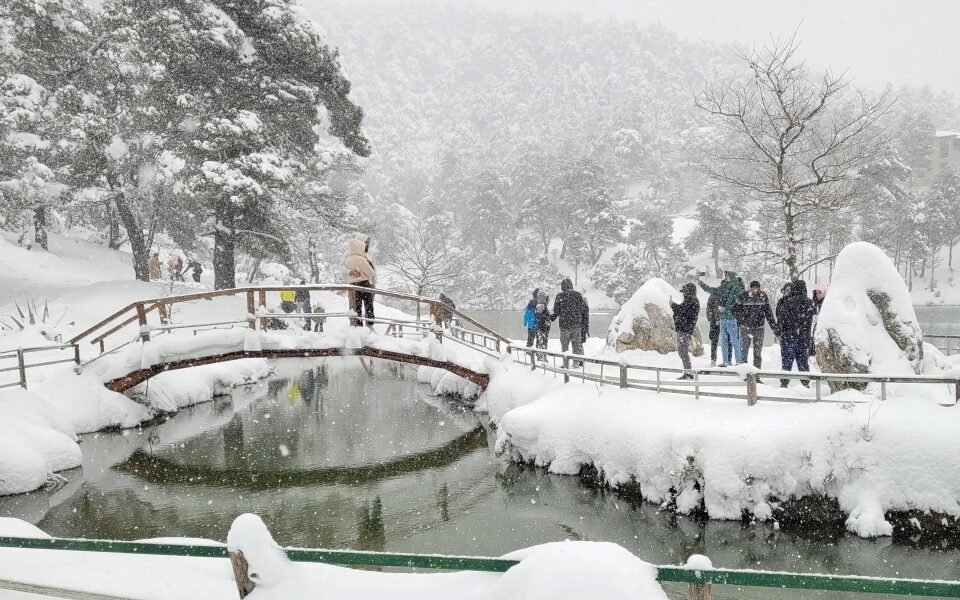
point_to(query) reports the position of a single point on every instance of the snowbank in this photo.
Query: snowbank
(545, 572)
(730, 459)
(35, 441)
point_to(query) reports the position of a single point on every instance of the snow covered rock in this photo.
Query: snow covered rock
(645, 321)
(867, 323)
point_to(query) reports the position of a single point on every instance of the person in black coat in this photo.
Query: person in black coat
(542, 320)
(571, 309)
(796, 318)
(447, 314)
(751, 310)
(685, 317)
(713, 318)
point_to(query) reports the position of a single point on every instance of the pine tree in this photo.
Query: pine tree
(721, 228)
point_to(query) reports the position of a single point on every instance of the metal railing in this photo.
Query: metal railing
(949, 344)
(19, 355)
(624, 375)
(699, 580)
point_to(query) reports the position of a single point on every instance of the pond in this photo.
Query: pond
(344, 454)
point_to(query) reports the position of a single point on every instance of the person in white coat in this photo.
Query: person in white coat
(360, 272)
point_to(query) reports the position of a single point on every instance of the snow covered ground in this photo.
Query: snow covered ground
(545, 572)
(721, 454)
(732, 459)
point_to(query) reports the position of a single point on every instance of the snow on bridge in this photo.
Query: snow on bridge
(177, 332)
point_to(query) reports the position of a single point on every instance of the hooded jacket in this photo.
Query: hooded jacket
(529, 319)
(750, 311)
(541, 311)
(713, 309)
(686, 313)
(357, 265)
(728, 291)
(570, 307)
(796, 313)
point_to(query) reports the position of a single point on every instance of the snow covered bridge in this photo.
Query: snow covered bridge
(149, 337)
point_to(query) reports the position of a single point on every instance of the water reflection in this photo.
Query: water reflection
(334, 455)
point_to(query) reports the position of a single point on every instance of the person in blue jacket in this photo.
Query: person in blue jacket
(729, 290)
(529, 319)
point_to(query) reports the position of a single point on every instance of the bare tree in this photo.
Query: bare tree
(801, 139)
(425, 259)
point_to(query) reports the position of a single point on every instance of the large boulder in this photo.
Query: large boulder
(645, 321)
(867, 323)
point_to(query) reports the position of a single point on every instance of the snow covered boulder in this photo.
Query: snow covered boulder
(645, 321)
(867, 323)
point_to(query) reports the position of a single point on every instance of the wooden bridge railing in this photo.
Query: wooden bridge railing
(256, 316)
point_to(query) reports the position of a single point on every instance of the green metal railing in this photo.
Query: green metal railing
(665, 574)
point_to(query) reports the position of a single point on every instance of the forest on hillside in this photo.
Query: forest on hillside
(487, 153)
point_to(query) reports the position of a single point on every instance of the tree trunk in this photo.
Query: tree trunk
(113, 228)
(254, 271)
(953, 242)
(312, 259)
(40, 227)
(791, 240)
(224, 247)
(933, 267)
(141, 268)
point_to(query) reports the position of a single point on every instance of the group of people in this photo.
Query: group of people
(737, 318)
(175, 268)
(569, 307)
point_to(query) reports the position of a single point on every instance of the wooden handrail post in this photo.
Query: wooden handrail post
(956, 391)
(251, 310)
(164, 315)
(76, 353)
(23, 369)
(142, 320)
(623, 376)
(241, 574)
(698, 591)
(751, 389)
(263, 306)
(566, 365)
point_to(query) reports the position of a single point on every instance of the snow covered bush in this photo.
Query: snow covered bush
(867, 323)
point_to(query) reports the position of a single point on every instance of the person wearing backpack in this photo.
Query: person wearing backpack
(529, 319)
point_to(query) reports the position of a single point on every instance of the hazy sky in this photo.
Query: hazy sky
(876, 41)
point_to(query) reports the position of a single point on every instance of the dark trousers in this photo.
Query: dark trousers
(531, 337)
(683, 348)
(363, 303)
(794, 349)
(752, 335)
(714, 339)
